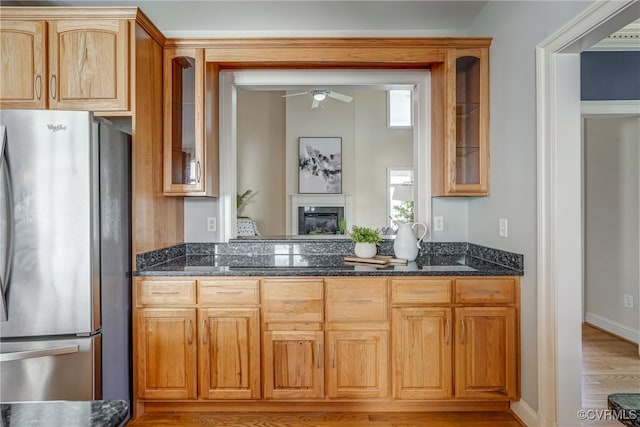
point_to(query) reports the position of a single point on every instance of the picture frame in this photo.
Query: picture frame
(320, 165)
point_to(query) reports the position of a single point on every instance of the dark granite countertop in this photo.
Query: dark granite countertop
(625, 407)
(325, 258)
(60, 413)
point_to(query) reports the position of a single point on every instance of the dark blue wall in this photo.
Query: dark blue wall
(609, 75)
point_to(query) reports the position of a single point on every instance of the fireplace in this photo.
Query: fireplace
(319, 219)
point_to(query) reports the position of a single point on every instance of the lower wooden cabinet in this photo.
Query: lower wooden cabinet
(357, 364)
(400, 342)
(166, 353)
(422, 353)
(293, 365)
(229, 353)
(486, 349)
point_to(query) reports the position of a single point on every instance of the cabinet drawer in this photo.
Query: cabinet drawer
(292, 300)
(357, 299)
(420, 291)
(229, 292)
(166, 292)
(485, 290)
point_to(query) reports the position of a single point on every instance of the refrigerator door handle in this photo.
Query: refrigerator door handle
(8, 262)
(32, 354)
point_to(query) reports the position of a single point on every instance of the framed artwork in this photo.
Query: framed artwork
(320, 165)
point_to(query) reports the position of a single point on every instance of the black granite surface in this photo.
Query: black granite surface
(323, 257)
(95, 413)
(625, 408)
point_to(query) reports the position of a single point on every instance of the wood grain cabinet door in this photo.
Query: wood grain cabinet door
(486, 353)
(166, 353)
(89, 65)
(422, 353)
(23, 78)
(229, 353)
(357, 364)
(293, 365)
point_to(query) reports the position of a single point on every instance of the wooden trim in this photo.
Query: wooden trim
(331, 42)
(67, 13)
(149, 27)
(334, 406)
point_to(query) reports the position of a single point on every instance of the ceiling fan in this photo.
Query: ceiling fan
(320, 95)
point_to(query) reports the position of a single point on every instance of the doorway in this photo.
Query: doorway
(560, 214)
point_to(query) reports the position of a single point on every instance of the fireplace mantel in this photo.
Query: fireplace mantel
(315, 200)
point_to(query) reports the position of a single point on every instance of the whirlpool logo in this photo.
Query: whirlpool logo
(56, 128)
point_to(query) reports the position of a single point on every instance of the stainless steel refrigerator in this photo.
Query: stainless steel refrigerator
(65, 263)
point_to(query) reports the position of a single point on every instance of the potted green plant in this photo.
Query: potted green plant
(366, 240)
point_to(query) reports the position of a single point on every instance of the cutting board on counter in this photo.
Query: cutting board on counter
(377, 261)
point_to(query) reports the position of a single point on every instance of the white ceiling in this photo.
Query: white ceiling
(245, 18)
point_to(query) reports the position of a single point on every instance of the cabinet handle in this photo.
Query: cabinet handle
(228, 292)
(417, 292)
(464, 332)
(205, 331)
(293, 301)
(38, 86)
(448, 338)
(189, 332)
(333, 356)
(358, 301)
(318, 355)
(165, 292)
(198, 171)
(52, 85)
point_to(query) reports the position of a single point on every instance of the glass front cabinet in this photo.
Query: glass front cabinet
(186, 165)
(464, 153)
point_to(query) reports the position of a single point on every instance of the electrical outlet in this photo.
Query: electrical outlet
(211, 223)
(628, 300)
(438, 223)
(503, 228)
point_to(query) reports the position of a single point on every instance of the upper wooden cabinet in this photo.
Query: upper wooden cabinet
(189, 165)
(23, 67)
(460, 157)
(87, 69)
(89, 65)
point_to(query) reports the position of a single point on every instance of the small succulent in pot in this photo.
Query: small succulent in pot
(365, 240)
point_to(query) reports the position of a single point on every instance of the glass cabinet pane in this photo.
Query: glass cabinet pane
(468, 120)
(184, 157)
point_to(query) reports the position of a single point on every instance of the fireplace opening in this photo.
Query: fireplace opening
(319, 219)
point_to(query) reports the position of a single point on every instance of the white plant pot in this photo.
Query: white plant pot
(365, 250)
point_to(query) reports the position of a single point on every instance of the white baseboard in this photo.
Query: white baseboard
(527, 415)
(614, 327)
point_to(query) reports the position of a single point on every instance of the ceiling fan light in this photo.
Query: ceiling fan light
(319, 96)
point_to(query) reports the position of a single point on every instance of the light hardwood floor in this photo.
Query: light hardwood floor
(609, 365)
(327, 419)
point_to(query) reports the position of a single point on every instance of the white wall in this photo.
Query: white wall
(517, 27)
(612, 223)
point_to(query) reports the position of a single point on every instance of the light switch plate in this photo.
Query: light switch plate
(503, 228)
(438, 223)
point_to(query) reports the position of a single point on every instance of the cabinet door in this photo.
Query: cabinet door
(422, 348)
(486, 352)
(89, 65)
(293, 365)
(229, 353)
(357, 364)
(166, 353)
(461, 164)
(22, 69)
(184, 165)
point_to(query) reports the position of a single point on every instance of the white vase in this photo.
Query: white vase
(407, 245)
(365, 250)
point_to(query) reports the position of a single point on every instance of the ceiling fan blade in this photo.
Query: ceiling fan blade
(340, 96)
(294, 94)
(315, 103)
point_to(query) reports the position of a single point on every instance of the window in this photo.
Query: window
(400, 195)
(399, 111)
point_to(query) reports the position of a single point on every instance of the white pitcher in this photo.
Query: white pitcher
(406, 245)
